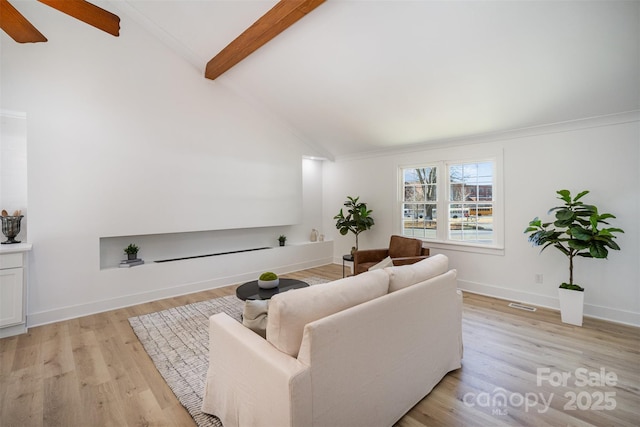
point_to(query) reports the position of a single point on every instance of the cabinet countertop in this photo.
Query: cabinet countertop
(15, 247)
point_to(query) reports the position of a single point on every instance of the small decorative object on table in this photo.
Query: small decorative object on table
(131, 251)
(268, 280)
(132, 257)
(11, 226)
(282, 239)
(314, 235)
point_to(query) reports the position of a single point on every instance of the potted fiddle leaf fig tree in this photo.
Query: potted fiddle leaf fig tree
(576, 231)
(357, 220)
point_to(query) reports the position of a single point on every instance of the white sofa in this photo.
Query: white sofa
(359, 351)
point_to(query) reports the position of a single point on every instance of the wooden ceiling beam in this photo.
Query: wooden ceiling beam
(88, 13)
(17, 26)
(284, 14)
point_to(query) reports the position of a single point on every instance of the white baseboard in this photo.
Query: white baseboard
(590, 310)
(75, 311)
(72, 312)
(13, 330)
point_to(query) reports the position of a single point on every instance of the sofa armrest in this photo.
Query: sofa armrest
(250, 382)
(460, 298)
(407, 260)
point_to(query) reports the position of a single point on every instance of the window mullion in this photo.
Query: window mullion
(443, 198)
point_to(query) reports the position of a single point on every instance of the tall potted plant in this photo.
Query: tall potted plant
(576, 231)
(357, 220)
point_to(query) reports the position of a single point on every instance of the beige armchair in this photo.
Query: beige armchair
(402, 250)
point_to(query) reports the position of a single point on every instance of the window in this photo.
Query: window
(420, 202)
(464, 190)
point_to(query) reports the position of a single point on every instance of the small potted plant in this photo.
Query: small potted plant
(575, 232)
(131, 251)
(282, 239)
(268, 280)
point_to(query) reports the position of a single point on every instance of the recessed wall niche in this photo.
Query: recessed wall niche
(170, 247)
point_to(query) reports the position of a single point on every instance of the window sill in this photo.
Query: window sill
(464, 247)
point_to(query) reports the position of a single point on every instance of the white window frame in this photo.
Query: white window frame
(442, 241)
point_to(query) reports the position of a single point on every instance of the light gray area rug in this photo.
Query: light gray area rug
(177, 340)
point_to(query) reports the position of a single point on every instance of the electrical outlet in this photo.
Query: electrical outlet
(539, 278)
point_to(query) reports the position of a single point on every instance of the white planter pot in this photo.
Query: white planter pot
(571, 306)
(268, 284)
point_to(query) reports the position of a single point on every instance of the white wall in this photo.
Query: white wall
(13, 167)
(600, 155)
(125, 138)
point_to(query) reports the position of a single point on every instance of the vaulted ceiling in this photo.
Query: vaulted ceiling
(358, 76)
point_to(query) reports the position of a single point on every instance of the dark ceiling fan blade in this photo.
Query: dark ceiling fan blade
(89, 13)
(284, 14)
(17, 26)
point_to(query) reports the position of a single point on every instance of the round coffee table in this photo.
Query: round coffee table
(251, 290)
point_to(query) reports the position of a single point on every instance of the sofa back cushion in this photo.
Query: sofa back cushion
(400, 247)
(290, 311)
(407, 275)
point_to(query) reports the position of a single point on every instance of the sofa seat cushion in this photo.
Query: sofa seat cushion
(407, 275)
(290, 311)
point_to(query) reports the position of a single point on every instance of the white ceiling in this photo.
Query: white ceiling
(356, 76)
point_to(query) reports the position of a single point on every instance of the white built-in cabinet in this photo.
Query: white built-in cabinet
(13, 289)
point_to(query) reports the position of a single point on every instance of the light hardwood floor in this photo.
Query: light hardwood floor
(93, 371)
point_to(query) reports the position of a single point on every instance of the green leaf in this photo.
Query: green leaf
(605, 216)
(581, 233)
(564, 215)
(598, 250)
(578, 245)
(614, 230)
(555, 209)
(563, 223)
(605, 233)
(613, 245)
(585, 210)
(580, 195)
(565, 195)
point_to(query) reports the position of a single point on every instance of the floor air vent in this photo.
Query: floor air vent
(521, 307)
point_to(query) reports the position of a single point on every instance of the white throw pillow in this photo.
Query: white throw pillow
(407, 275)
(387, 262)
(254, 316)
